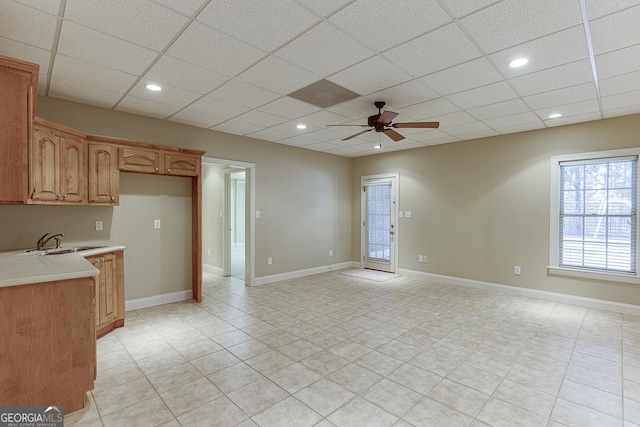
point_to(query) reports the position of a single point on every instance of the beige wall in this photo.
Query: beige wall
(304, 198)
(481, 207)
(212, 205)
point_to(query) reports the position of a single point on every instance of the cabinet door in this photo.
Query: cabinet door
(45, 166)
(72, 170)
(103, 174)
(108, 289)
(182, 165)
(140, 160)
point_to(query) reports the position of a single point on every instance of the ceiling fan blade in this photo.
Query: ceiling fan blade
(416, 125)
(356, 134)
(393, 135)
(386, 117)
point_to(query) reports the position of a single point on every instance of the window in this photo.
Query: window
(594, 212)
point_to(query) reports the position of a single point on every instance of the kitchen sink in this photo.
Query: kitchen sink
(62, 251)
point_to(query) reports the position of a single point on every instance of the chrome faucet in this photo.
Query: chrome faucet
(42, 241)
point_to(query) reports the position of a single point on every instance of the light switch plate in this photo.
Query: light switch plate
(99, 225)
(156, 224)
(407, 214)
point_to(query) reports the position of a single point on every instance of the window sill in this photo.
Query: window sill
(593, 275)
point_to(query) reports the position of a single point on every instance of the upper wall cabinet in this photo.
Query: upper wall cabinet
(18, 91)
(57, 167)
(158, 161)
(104, 177)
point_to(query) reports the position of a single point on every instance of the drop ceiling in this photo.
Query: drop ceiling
(229, 65)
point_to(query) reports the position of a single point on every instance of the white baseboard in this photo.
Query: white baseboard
(139, 303)
(211, 269)
(302, 273)
(599, 304)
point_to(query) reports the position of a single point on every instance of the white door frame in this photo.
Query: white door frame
(250, 218)
(395, 177)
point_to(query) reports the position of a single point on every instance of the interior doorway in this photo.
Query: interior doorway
(235, 207)
(379, 210)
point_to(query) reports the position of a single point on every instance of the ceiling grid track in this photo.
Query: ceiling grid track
(592, 58)
(54, 45)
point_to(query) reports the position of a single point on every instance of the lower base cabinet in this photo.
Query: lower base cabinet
(109, 290)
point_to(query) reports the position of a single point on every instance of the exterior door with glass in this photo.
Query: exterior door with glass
(379, 219)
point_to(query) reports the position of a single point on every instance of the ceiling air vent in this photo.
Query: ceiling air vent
(323, 94)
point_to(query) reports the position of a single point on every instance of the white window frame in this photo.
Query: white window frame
(554, 237)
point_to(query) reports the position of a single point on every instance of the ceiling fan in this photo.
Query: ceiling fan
(381, 122)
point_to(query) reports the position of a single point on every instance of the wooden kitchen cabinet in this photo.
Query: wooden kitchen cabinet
(18, 91)
(182, 164)
(58, 168)
(103, 176)
(109, 291)
(143, 160)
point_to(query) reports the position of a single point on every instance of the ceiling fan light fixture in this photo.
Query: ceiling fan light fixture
(153, 87)
(519, 62)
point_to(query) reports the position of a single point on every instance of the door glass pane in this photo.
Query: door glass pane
(379, 221)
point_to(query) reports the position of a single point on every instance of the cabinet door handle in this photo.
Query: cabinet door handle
(64, 196)
(113, 199)
(157, 170)
(168, 170)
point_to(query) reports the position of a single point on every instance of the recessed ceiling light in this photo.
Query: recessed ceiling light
(153, 87)
(301, 126)
(378, 146)
(518, 62)
(555, 115)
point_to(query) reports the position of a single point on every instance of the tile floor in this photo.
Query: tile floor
(331, 350)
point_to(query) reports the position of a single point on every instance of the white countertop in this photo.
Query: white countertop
(22, 268)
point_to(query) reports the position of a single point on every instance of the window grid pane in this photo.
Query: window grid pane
(378, 221)
(598, 206)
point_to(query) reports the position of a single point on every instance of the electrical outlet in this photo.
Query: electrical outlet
(517, 270)
(269, 261)
(156, 224)
(99, 225)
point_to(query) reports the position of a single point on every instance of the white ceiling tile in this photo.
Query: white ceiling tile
(186, 7)
(459, 78)
(92, 46)
(444, 140)
(210, 49)
(218, 107)
(26, 52)
(245, 94)
(559, 77)
(620, 84)
(426, 110)
(260, 118)
(323, 118)
(521, 20)
(196, 118)
(355, 108)
(78, 92)
(72, 69)
(499, 109)
(269, 72)
(236, 127)
(451, 119)
(521, 128)
(512, 120)
(599, 8)
(435, 51)
(269, 135)
(184, 75)
(369, 76)
(132, 104)
(625, 111)
(289, 108)
(409, 93)
(616, 31)
(562, 96)
(169, 95)
(546, 52)
(266, 24)
(322, 146)
(298, 141)
(26, 25)
(325, 135)
(290, 128)
(572, 119)
(123, 19)
(484, 95)
(49, 6)
(324, 7)
(324, 50)
(461, 8)
(568, 110)
(618, 62)
(622, 100)
(467, 128)
(380, 27)
(429, 135)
